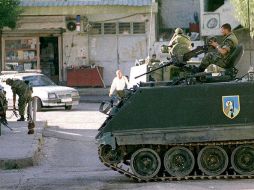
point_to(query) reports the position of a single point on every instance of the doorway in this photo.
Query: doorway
(49, 57)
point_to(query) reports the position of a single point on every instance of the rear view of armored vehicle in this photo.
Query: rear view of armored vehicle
(195, 127)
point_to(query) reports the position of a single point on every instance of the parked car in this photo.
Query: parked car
(46, 92)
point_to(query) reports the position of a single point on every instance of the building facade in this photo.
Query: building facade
(58, 35)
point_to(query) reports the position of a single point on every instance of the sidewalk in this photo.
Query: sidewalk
(17, 148)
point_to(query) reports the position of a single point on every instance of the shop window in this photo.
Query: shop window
(125, 28)
(109, 28)
(96, 28)
(21, 54)
(139, 28)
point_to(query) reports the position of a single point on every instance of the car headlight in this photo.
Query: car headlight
(74, 93)
(52, 96)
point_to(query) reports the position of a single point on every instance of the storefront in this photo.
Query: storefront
(20, 53)
(33, 50)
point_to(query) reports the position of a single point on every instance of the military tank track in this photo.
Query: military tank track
(196, 172)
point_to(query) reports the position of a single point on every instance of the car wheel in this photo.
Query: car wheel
(68, 107)
(39, 104)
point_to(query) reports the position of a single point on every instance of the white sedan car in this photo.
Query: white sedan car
(47, 93)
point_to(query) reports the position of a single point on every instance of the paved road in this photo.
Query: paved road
(69, 160)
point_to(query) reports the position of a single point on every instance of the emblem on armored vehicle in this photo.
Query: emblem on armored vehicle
(231, 106)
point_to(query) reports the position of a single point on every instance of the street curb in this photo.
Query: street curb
(38, 149)
(31, 158)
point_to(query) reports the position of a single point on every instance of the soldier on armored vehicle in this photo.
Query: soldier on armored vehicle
(224, 56)
(220, 57)
(177, 47)
(179, 44)
(153, 63)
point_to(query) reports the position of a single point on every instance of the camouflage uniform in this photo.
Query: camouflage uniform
(3, 108)
(24, 92)
(230, 42)
(3, 104)
(181, 44)
(152, 64)
(178, 46)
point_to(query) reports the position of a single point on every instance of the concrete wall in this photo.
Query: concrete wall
(248, 57)
(112, 52)
(75, 50)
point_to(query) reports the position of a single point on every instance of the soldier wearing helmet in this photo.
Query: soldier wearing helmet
(179, 44)
(22, 89)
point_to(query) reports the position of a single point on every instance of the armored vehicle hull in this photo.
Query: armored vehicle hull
(194, 127)
(187, 131)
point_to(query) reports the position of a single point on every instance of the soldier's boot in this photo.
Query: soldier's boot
(30, 132)
(22, 118)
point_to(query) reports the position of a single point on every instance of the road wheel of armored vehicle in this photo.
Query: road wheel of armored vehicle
(179, 161)
(242, 159)
(212, 160)
(110, 156)
(145, 163)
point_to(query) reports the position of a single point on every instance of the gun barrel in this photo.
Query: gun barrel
(195, 52)
(167, 64)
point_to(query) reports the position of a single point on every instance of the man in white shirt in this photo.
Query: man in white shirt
(119, 83)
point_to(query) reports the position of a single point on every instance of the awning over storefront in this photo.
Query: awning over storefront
(37, 25)
(47, 3)
(28, 33)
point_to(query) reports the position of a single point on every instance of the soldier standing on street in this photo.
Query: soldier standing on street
(24, 92)
(219, 57)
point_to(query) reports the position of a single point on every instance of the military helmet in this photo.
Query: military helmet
(9, 81)
(178, 31)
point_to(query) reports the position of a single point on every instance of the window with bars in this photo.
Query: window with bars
(96, 28)
(109, 28)
(125, 28)
(139, 28)
(120, 28)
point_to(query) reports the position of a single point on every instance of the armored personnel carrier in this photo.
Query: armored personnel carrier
(195, 127)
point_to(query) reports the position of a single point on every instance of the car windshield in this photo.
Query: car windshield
(39, 80)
